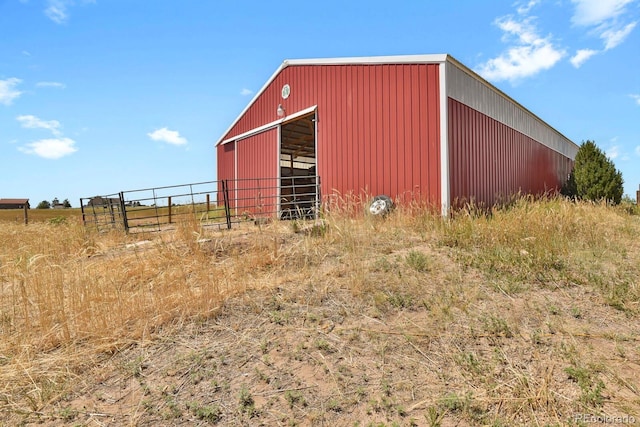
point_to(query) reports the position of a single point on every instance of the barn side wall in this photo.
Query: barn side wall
(497, 147)
(469, 90)
(489, 161)
(377, 125)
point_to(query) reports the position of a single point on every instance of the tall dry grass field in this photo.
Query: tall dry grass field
(38, 215)
(528, 315)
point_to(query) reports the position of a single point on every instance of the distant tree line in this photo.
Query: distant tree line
(54, 204)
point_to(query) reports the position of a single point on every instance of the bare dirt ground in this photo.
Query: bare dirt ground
(394, 330)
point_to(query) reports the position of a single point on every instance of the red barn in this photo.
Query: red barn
(418, 126)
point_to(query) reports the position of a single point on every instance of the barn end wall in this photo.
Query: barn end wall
(378, 126)
(256, 189)
(226, 168)
(490, 161)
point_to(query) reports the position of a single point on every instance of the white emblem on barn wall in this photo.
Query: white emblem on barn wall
(286, 90)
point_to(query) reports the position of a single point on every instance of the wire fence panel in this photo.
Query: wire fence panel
(103, 212)
(214, 203)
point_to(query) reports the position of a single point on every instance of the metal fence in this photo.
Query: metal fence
(215, 203)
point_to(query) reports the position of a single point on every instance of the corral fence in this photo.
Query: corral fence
(214, 203)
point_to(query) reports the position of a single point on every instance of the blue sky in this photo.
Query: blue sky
(99, 96)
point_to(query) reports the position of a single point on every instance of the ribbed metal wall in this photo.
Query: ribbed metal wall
(226, 167)
(489, 161)
(257, 163)
(470, 90)
(377, 125)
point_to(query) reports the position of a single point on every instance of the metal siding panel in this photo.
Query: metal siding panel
(486, 189)
(500, 161)
(385, 132)
(454, 171)
(392, 142)
(345, 144)
(416, 139)
(481, 96)
(378, 129)
(226, 168)
(349, 160)
(434, 138)
(425, 148)
(366, 130)
(401, 170)
(357, 116)
(257, 172)
(405, 134)
(428, 159)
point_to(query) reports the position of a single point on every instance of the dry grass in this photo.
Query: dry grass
(39, 215)
(525, 316)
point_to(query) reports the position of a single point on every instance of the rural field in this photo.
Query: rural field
(527, 316)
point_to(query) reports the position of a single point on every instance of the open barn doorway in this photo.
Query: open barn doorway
(299, 183)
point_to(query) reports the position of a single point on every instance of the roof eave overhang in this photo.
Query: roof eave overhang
(271, 125)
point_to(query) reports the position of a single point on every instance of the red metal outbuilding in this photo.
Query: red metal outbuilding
(412, 127)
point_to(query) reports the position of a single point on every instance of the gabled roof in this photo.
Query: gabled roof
(13, 201)
(358, 60)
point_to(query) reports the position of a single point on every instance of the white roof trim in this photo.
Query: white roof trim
(397, 59)
(371, 60)
(273, 124)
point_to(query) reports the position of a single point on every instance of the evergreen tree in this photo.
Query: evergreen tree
(66, 203)
(43, 205)
(594, 176)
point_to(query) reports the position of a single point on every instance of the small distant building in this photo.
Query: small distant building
(103, 201)
(14, 204)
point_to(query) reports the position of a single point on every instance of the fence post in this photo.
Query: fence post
(638, 197)
(227, 210)
(208, 205)
(84, 219)
(169, 209)
(26, 215)
(123, 209)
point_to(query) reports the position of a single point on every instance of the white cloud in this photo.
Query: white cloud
(636, 97)
(595, 12)
(525, 8)
(168, 136)
(530, 54)
(613, 38)
(7, 90)
(26, 53)
(581, 56)
(57, 11)
(606, 18)
(638, 150)
(32, 122)
(613, 152)
(53, 148)
(246, 92)
(51, 84)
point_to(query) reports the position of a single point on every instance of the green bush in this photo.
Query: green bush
(594, 176)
